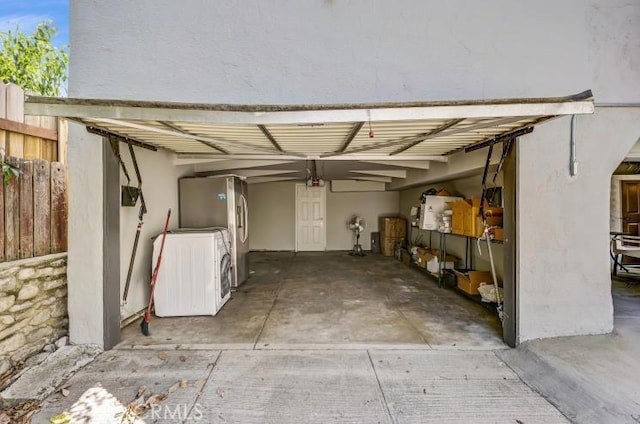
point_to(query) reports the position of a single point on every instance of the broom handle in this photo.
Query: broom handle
(158, 262)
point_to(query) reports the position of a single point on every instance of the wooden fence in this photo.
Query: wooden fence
(33, 205)
(33, 210)
(29, 137)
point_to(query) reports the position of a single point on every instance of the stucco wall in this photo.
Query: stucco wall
(272, 215)
(33, 307)
(370, 205)
(324, 51)
(160, 189)
(563, 243)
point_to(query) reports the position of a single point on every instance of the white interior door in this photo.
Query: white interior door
(310, 218)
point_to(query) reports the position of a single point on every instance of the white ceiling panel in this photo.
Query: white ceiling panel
(382, 132)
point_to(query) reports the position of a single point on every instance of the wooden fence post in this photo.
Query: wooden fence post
(2, 229)
(12, 215)
(58, 207)
(26, 208)
(41, 207)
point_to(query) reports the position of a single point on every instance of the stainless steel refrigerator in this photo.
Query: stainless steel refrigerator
(219, 201)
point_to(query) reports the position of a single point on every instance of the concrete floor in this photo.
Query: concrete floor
(310, 386)
(330, 301)
(587, 379)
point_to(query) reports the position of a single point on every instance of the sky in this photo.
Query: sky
(27, 14)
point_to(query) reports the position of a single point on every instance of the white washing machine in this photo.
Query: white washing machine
(195, 274)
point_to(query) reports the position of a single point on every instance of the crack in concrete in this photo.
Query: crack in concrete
(199, 393)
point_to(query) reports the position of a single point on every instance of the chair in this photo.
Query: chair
(624, 245)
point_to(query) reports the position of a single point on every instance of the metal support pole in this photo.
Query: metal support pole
(573, 161)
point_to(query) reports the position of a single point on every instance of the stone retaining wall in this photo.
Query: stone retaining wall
(33, 307)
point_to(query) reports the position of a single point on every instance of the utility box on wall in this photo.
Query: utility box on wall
(375, 242)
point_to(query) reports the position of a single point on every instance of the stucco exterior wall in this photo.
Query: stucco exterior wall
(563, 240)
(326, 51)
(272, 215)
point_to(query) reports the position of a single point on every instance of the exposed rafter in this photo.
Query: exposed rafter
(365, 157)
(237, 164)
(434, 158)
(433, 132)
(253, 172)
(258, 180)
(426, 136)
(270, 136)
(124, 138)
(195, 161)
(180, 130)
(368, 178)
(174, 133)
(393, 173)
(404, 163)
(352, 134)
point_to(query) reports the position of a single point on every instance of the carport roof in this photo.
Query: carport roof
(376, 131)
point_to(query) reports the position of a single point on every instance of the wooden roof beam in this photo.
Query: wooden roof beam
(352, 134)
(270, 137)
(433, 132)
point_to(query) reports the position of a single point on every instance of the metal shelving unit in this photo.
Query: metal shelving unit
(442, 247)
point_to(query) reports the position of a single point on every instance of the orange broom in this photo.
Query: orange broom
(144, 325)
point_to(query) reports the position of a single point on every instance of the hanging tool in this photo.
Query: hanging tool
(129, 197)
(144, 325)
(141, 213)
(506, 148)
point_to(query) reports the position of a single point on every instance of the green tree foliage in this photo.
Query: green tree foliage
(32, 62)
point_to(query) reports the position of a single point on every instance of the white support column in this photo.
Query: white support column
(86, 223)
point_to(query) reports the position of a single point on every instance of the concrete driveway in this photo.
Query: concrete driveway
(310, 386)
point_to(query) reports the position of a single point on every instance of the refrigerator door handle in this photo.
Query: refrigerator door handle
(245, 218)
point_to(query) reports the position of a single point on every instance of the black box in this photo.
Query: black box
(375, 242)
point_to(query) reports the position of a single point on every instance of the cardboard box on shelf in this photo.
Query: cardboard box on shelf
(498, 234)
(457, 218)
(434, 267)
(469, 280)
(464, 216)
(492, 221)
(423, 255)
(430, 259)
(431, 208)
